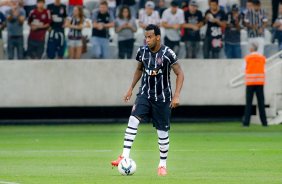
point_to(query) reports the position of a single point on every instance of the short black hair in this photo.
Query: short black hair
(256, 2)
(154, 27)
(214, 1)
(174, 3)
(40, 1)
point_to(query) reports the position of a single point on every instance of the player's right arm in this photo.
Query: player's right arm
(136, 78)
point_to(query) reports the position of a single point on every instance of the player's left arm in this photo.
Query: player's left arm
(179, 83)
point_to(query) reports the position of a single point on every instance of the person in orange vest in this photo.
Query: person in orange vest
(255, 80)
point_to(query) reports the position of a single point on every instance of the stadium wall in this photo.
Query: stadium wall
(88, 89)
(104, 82)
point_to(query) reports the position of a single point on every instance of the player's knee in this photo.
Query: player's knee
(133, 121)
(162, 134)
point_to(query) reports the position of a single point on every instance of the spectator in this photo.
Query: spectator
(249, 7)
(39, 21)
(56, 41)
(161, 7)
(148, 15)
(243, 3)
(278, 26)
(75, 24)
(216, 21)
(125, 26)
(256, 22)
(102, 22)
(2, 26)
(192, 26)
(275, 5)
(172, 20)
(72, 4)
(29, 5)
(232, 34)
(184, 6)
(15, 20)
(130, 3)
(112, 7)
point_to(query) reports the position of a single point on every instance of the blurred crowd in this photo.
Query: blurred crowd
(68, 28)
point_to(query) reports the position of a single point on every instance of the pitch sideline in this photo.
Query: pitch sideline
(7, 182)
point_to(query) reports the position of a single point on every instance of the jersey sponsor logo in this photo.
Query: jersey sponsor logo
(216, 31)
(153, 72)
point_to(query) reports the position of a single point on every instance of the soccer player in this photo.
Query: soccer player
(155, 99)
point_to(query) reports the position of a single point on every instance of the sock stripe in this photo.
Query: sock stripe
(130, 133)
(164, 151)
(128, 147)
(129, 140)
(163, 138)
(163, 158)
(132, 128)
(163, 144)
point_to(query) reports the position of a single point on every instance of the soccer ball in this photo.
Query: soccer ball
(127, 166)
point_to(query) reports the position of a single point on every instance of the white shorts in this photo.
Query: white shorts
(75, 43)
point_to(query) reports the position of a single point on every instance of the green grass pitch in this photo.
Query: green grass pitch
(200, 153)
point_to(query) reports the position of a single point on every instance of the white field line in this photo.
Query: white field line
(54, 151)
(138, 150)
(215, 150)
(7, 182)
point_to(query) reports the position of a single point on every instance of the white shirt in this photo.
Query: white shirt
(177, 18)
(154, 18)
(29, 2)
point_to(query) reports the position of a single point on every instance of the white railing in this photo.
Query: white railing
(239, 79)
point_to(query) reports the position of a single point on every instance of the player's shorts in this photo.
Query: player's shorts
(145, 109)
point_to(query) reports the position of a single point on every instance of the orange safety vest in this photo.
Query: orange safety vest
(255, 74)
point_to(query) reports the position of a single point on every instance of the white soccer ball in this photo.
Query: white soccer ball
(127, 166)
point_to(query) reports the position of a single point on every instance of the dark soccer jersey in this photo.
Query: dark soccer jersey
(155, 83)
(58, 13)
(213, 29)
(190, 34)
(39, 18)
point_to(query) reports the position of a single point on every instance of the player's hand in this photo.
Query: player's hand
(175, 102)
(33, 27)
(127, 96)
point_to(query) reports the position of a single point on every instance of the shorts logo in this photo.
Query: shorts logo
(133, 108)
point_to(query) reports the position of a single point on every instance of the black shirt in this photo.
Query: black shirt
(190, 34)
(155, 83)
(232, 34)
(213, 29)
(58, 14)
(101, 18)
(126, 2)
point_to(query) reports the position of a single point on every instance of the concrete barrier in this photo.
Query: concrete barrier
(104, 82)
